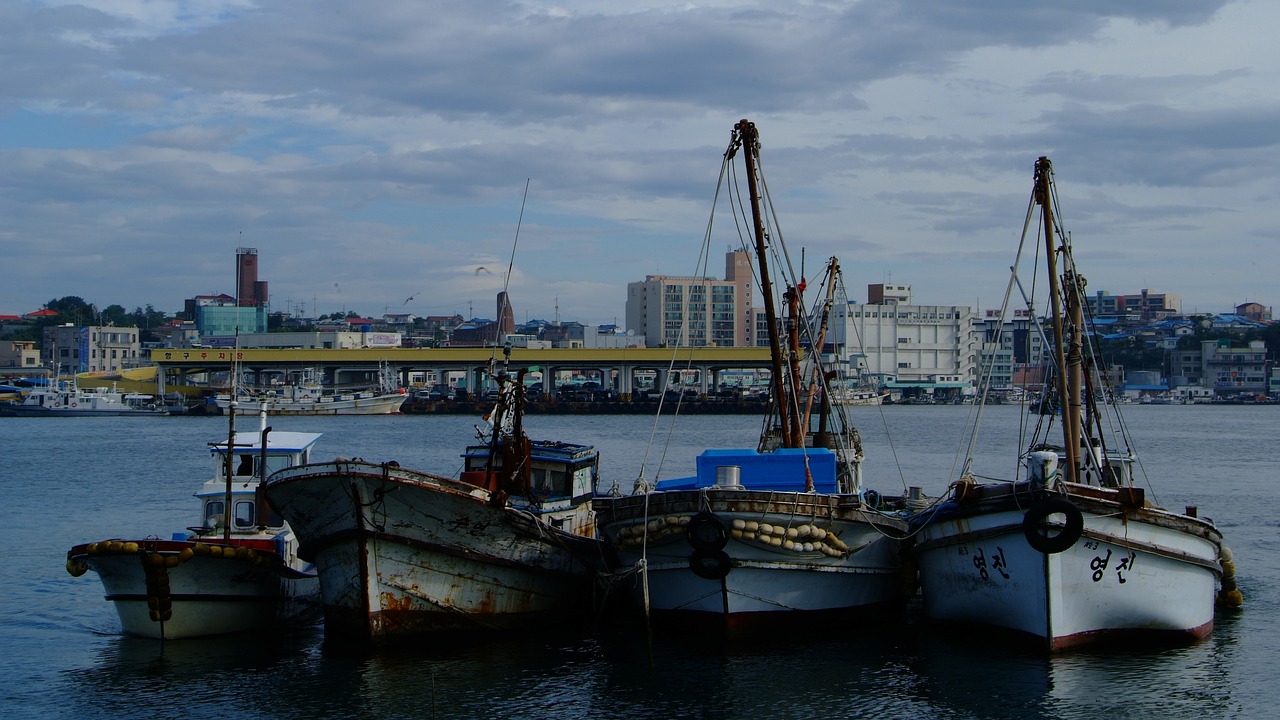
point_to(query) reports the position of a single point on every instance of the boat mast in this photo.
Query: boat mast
(231, 444)
(820, 374)
(1068, 389)
(745, 136)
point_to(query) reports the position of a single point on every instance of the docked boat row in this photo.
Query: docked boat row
(67, 399)
(780, 528)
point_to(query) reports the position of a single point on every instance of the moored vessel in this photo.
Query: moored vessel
(1073, 553)
(218, 576)
(780, 531)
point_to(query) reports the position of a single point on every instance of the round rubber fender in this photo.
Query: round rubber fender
(706, 531)
(710, 563)
(1038, 534)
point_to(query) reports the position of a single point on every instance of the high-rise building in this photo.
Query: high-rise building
(694, 311)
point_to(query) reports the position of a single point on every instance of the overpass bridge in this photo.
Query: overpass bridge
(617, 368)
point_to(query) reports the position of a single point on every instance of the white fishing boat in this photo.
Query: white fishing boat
(859, 396)
(67, 399)
(1072, 553)
(782, 530)
(215, 578)
(308, 397)
(508, 543)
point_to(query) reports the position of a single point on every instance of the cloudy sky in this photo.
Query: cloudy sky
(379, 150)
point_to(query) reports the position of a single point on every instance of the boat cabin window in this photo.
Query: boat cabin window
(245, 467)
(549, 483)
(244, 514)
(214, 513)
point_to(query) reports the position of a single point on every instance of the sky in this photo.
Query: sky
(376, 154)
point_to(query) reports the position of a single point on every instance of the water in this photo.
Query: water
(71, 480)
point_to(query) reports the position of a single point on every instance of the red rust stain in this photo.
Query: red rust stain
(391, 602)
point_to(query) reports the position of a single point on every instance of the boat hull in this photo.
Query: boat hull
(17, 410)
(404, 553)
(763, 571)
(373, 405)
(171, 590)
(1133, 571)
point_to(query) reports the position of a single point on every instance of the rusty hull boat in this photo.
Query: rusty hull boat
(403, 552)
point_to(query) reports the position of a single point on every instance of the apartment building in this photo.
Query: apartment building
(695, 311)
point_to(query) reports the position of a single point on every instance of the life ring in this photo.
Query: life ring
(73, 404)
(706, 531)
(1038, 534)
(710, 564)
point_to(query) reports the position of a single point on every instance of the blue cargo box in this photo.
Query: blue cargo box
(781, 470)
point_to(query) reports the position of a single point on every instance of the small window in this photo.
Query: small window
(244, 514)
(213, 513)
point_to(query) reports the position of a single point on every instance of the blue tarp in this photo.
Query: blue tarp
(780, 470)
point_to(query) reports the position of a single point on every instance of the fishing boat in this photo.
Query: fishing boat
(781, 530)
(510, 543)
(215, 577)
(858, 396)
(1073, 552)
(309, 397)
(67, 399)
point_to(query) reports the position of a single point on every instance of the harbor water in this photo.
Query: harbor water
(73, 480)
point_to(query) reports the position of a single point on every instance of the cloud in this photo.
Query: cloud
(380, 145)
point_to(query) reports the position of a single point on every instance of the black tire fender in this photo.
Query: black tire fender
(706, 531)
(710, 564)
(1039, 535)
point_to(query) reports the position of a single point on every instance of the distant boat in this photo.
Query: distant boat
(310, 398)
(214, 579)
(779, 531)
(1073, 553)
(66, 399)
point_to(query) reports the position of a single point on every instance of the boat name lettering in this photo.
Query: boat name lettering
(998, 562)
(1099, 565)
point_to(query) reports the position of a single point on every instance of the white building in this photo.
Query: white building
(911, 349)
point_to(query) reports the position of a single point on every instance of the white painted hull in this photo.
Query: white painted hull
(200, 595)
(372, 405)
(765, 576)
(1155, 574)
(15, 410)
(403, 553)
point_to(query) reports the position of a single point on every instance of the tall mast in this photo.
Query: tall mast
(1066, 388)
(747, 137)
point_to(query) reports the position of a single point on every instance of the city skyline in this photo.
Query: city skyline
(380, 155)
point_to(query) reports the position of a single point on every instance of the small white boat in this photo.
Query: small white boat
(212, 578)
(1072, 553)
(859, 396)
(509, 543)
(310, 398)
(66, 399)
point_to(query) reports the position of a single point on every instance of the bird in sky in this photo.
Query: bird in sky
(484, 269)
(406, 300)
